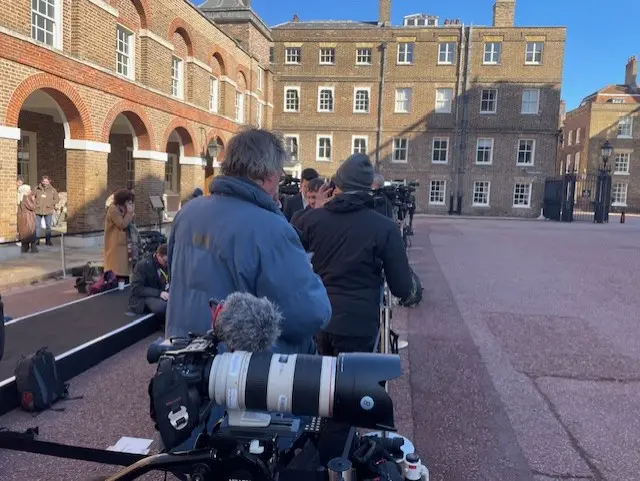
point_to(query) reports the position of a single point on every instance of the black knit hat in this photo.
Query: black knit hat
(355, 174)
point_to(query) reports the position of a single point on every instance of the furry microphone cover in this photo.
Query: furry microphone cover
(248, 323)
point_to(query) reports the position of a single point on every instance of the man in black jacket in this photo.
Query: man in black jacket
(352, 245)
(294, 203)
(150, 285)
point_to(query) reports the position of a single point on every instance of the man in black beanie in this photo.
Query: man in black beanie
(352, 245)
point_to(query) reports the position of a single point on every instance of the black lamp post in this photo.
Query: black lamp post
(213, 150)
(605, 151)
(602, 202)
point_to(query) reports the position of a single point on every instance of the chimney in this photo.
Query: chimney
(504, 13)
(384, 12)
(631, 74)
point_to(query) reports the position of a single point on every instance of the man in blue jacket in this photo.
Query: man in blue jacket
(237, 239)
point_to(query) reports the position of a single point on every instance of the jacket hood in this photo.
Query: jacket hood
(244, 189)
(350, 202)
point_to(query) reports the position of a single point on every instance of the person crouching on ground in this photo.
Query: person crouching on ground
(150, 284)
(311, 194)
(27, 222)
(116, 226)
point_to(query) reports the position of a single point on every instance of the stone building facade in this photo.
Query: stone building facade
(108, 94)
(612, 113)
(469, 112)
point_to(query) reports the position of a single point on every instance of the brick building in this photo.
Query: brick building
(467, 111)
(612, 113)
(108, 94)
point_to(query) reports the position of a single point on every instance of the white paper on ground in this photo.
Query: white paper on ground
(132, 445)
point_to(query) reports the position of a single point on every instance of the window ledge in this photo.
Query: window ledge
(439, 162)
(522, 207)
(481, 205)
(622, 173)
(322, 160)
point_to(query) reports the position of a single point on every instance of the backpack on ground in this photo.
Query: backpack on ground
(90, 273)
(107, 281)
(37, 381)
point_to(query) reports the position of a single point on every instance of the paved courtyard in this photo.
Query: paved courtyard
(523, 363)
(525, 357)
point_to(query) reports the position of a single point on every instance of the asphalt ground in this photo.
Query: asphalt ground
(523, 361)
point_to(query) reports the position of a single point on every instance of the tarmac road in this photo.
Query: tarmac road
(523, 361)
(24, 300)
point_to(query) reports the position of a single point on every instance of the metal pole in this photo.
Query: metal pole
(64, 257)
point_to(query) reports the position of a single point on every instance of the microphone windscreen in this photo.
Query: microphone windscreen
(248, 323)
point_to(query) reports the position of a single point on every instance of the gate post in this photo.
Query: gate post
(602, 203)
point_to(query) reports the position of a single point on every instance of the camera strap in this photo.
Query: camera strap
(26, 442)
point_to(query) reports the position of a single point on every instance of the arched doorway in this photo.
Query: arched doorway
(128, 135)
(183, 170)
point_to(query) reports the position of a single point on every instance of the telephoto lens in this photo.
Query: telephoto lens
(349, 388)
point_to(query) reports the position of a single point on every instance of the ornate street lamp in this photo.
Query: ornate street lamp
(213, 150)
(605, 151)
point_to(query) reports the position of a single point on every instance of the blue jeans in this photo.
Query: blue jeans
(47, 223)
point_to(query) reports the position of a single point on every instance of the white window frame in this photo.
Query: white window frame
(408, 99)
(528, 102)
(449, 51)
(533, 153)
(629, 124)
(530, 188)
(260, 78)
(296, 89)
(177, 82)
(56, 33)
(240, 106)
(394, 158)
(494, 100)
(616, 170)
(407, 54)
(367, 53)
(355, 104)
(285, 137)
(288, 56)
(323, 136)
(450, 100)
(578, 132)
(214, 94)
(566, 169)
(331, 51)
(493, 49)
(614, 194)
(533, 52)
(484, 140)
(130, 55)
(576, 162)
(359, 137)
(259, 110)
(171, 186)
(488, 194)
(333, 99)
(130, 169)
(433, 150)
(570, 138)
(432, 183)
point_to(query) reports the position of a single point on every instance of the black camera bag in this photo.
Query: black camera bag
(37, 381)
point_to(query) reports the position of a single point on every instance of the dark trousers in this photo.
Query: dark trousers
(158, 307)
(27, 245)
(47, 223)
(334, 435)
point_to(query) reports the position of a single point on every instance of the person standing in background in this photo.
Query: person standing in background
(294, 203)
(120, 215)
(27, 223)
(46, 199)
(312, 193)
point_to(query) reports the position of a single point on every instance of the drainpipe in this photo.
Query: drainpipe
(383, 52)
(462, 120)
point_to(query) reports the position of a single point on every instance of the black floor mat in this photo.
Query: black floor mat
(65, 328)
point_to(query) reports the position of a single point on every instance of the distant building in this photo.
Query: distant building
(469, 112)
(612, 113)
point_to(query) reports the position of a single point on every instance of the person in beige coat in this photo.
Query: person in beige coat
(116, 251)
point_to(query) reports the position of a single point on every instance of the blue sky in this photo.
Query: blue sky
(599, 40)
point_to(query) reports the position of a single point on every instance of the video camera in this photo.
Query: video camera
(276, 403)
(289, 185)
(400, 194)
